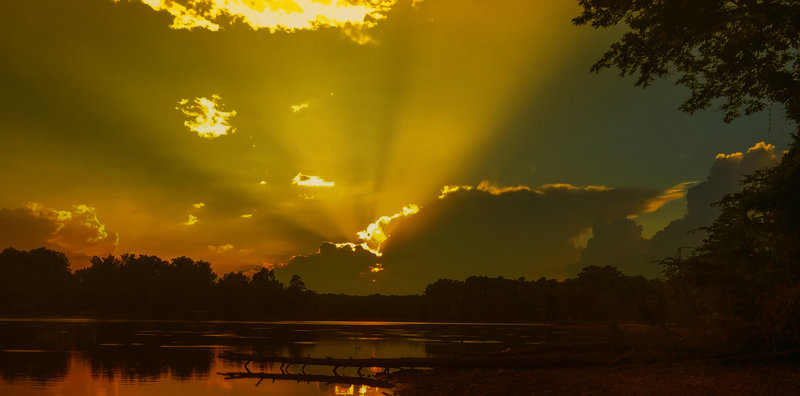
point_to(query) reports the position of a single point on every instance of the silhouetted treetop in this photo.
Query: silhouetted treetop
(743, 51)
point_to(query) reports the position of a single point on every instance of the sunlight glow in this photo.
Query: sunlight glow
(350, 245)
(352, 16)
(374, 235)
(451, 189)
(351, 390)
(377, 268)
(486, 186)
(570, 187)
(299, 107)
(675, 192)
(83, 216)
(311, 181)
(206, 117)
(192, 220)
(220, 248)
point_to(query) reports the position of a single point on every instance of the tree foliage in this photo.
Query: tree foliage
(744, 52)
(746, 275)
(747, 272)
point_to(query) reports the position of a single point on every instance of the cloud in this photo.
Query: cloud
(343, 268)
(619, 241)
(192, 220)
(491, 230)
(570, 187)
(453, 189)
(206, 117)
(220, 248)
(723, 178)
(247, 216)
(352, 16)
(521, 231)
(376, 234)
(477, 230)
(676, 192)
(490, 188)
(311, 181)
(77, 232)
(299, 107)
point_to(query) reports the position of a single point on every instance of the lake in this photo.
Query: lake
(131, 357)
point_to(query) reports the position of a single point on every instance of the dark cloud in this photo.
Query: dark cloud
(21, 229)
(77, 232)
(619, 243)
(723, 178)
(332, 269)
(482, 231)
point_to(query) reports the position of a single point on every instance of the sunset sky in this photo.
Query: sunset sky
(367, 145)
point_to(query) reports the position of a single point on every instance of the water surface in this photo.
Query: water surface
(68, 357)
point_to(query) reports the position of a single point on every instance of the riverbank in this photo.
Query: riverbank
(631, 360)
(674, 378)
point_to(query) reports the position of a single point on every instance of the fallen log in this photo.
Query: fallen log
(468, 361)
(328, 379)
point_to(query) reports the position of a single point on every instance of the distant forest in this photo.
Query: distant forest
(40, 282)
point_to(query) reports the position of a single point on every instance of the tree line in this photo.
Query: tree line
(40, 282)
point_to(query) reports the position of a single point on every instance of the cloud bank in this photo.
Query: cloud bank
(619, 242)
(724, 177)
(77, 232)
(485, 230)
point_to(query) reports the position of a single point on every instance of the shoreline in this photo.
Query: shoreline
(665, 378)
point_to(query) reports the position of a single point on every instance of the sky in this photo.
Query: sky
(368, 146)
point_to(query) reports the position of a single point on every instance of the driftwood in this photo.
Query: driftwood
(328, 379)
(467, 361)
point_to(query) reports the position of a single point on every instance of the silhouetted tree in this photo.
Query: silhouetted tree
(744, 52)
(746, 275)
(188, 284)
(35, 281)
(232, 297)
(266, 293)
(747, 272)
(296, 284)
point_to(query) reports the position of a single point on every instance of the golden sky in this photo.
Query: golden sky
(273, 132)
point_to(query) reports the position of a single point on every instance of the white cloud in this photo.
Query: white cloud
(353, 17)
(206, 117)
(299, 107)
(311, 181)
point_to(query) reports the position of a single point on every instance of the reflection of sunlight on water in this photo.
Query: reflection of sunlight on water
(352, 390)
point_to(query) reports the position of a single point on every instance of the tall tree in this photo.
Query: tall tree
(744, 52)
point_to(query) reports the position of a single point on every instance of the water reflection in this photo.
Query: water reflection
(84, 357)
(36, 366)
